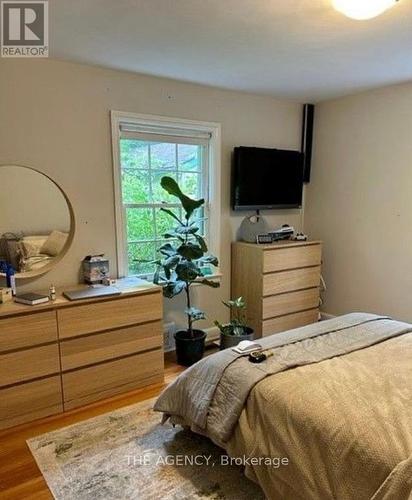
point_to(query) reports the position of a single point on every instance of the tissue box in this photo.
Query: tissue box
(6, 295)
(95, 269)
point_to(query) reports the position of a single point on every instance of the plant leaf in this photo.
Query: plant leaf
(213, 284)
(190, 251)
(172, 214)
(219, 325)
(240, 303)
(237, 303)
(201, 242)
(172, 234)
(172, 187)
(195, 314)
(225, 329)
(171, 262)
(209, 259)
(173, 288)
(168, 250)
(186, 230)
(187, 271)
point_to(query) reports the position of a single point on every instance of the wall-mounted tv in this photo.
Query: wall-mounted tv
(264, 178)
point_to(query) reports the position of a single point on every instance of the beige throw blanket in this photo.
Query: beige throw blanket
(212, 398)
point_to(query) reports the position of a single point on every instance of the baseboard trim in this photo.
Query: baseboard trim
(212, 334)
(325, 315)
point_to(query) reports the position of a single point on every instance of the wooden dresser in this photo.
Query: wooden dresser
(62, 355)
(280, 283)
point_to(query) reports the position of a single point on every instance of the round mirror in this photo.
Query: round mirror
(36, 221)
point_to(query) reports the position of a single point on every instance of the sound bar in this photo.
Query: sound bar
(307, 139)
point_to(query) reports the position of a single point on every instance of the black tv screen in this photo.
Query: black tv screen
(265, 178)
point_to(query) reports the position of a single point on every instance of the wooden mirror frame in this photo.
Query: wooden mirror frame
(48, 267)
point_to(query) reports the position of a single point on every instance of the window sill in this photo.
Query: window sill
(216, 276)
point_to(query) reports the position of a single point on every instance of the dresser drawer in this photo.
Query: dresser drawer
(286, 303)
(29, 364)
(290, 281)
(107, 379)
(27, 402)
(107, 315)
(28, 330)
(82, 351)
(280, 259)
(283, 323)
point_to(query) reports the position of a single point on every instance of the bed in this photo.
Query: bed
(334, 402)
(28, 253)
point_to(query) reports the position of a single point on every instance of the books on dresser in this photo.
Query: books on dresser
(31, 299)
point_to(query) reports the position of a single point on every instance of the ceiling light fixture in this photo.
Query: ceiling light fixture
(363, 9)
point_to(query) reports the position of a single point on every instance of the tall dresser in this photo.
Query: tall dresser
(280, 283)
(62, 355)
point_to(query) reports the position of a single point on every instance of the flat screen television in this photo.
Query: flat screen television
(264, 178)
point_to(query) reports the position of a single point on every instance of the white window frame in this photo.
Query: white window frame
(212, 185)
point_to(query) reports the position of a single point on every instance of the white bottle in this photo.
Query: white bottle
(52, 292)
(13, 285)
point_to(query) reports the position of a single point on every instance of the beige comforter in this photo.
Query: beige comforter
(345, 425)
(335, 400)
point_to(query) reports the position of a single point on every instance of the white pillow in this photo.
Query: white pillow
(54, 243)
(31, 245)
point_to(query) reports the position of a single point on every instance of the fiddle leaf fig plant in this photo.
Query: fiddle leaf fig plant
(182, 258)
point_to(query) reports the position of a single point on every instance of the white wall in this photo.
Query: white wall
(360, 201)
(55, 117)
(30, 203)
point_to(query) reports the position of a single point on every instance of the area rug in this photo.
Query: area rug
(128, 454)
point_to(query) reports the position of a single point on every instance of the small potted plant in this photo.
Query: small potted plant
(180, 267)
(236, 330)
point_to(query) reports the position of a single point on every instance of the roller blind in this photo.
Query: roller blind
(163, 133)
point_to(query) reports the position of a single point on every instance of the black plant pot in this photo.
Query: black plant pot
(189, 350)
(229, 340)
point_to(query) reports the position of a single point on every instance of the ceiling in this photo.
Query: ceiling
(297, 49)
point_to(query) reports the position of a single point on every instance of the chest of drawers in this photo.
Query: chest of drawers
(63, 355)
(280, 283)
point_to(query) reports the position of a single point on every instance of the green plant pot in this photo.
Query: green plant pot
(189, 350)
(228, 340)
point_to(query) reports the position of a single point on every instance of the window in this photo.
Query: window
(143, 163)
(146, 149)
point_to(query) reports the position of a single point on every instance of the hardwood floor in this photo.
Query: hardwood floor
(20, 477)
